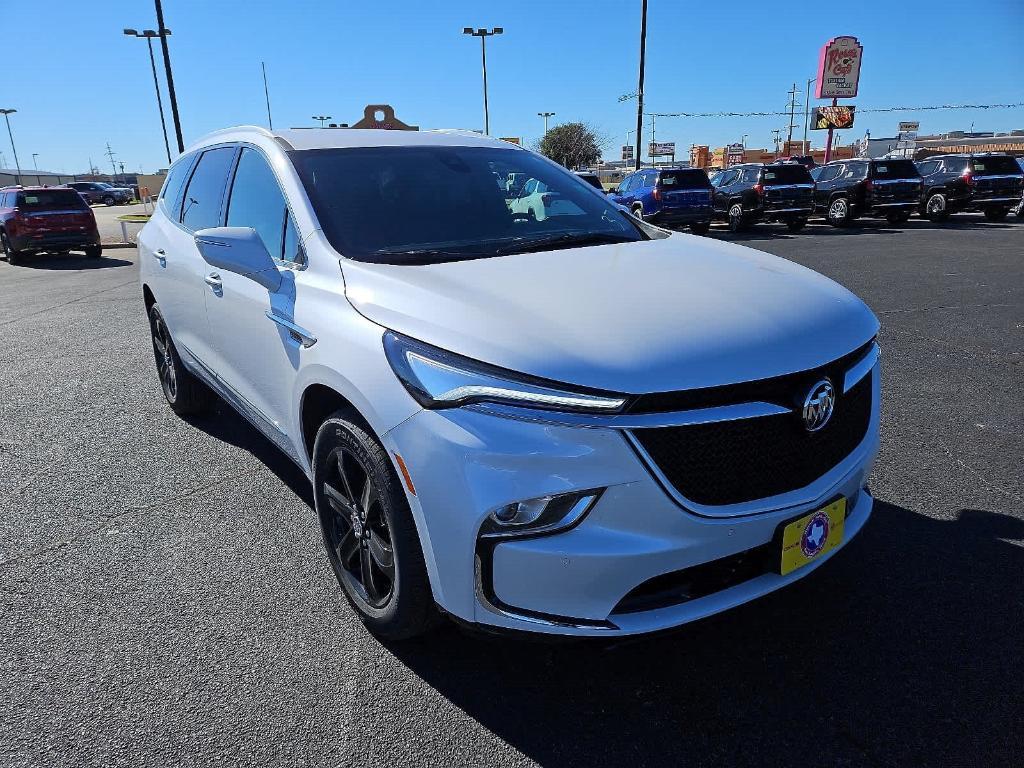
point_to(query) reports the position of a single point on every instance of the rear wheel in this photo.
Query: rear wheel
(369, 532)
(93, 251)
(737, 219)
(700, 227)
(13, 257)
(183, 391)
(795, 225)
(936, 207)
(839, 212)
(897, 217)
(996, 214)
(109, 200)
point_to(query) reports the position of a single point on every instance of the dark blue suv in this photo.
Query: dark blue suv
(668, 196)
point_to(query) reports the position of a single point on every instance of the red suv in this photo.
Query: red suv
(54, 219)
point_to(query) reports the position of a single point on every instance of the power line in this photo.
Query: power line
(860, 110)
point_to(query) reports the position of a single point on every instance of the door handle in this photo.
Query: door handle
(213, 280)
(160, 255)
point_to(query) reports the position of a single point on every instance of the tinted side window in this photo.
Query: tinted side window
(202, 203)
(257, 202)
(170, 192)
(750, 175)
(954, 164)
(926, 169)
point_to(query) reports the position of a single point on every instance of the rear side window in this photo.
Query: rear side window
(684, 179)
(750, 175)
(202, 202)
(994, 164)
(51, 199)
(954, 164)
(257, 202)
(786, 174)
(928, 168)
(895, 169)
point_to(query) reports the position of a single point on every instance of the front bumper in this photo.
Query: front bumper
(466, 462)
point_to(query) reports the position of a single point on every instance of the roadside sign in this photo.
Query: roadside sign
(828, 118)
(839, 68)
(734, 154)
(661, 148)
(627, 151)
(910, 126)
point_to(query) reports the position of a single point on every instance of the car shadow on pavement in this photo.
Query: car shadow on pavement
(224, 423)
(72, 261)
(904, 649)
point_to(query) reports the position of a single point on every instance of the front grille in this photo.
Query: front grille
(730, 462)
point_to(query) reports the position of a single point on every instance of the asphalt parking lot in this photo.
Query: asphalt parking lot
(165, 599)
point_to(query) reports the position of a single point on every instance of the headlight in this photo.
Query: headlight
(439, 379)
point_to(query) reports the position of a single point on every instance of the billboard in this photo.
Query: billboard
(627, 151)
(661, 148)
(735, 154)
(839, 68)
(840, 117)
(910, 126)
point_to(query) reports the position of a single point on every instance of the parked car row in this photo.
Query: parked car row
(101, 192)
(841, 191)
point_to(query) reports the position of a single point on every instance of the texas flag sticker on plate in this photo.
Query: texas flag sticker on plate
(812, 535)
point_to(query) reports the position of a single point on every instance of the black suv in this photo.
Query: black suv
(753, 192)
(990, 183)
(101, 192)
(847, 189)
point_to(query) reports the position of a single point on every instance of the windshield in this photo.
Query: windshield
(786, 174)
(895, 169)
(428, 204)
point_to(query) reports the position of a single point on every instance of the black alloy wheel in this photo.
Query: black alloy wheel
(182, 390)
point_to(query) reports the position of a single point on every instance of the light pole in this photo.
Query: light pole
(266, 92)
(162, 33)
(322, 118)
(545, 115)
(149, 34)
(7, 116)
(640, 89)
(807, 112)
(35, 164)
(743, 141)
(483, 34)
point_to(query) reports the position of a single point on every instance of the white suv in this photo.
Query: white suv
(575, 424)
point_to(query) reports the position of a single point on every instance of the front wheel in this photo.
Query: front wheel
(183, 391)
(369, 531)
(996, 214)
(795, 225)
(737, 220)
(109, 200)
(700, 227)
(839, 212)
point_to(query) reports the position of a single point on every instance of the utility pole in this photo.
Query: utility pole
(640, 88)
(110, 153)
(776, 132)
(545, 115)
(266, 93)
(792, 110)
(170, 77)
(483, 34)
(807, 112)
(654, 120)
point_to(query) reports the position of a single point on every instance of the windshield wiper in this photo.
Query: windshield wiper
(564, 240)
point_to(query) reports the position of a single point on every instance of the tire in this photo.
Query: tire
(737, 220)
(936, 207)
(898, 218)
(638, 211)
(795, 225)
(93, 251)
(700, 228)
(183, 391)
(13, 257)
(996, 214)
(369, 532)
(109, 200)
(839, 212)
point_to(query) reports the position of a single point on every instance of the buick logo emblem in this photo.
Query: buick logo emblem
(818, 405)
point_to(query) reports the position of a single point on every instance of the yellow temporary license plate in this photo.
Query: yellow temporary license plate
(812, 535)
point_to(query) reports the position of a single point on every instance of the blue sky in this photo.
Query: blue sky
(79, 83)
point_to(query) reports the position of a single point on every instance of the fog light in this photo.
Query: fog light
(544, 514)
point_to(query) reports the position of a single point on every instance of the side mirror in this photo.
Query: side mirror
(239, 250)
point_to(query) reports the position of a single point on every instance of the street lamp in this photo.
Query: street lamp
(149, 34)
(35, 163)
(7, 116)
(483, 34)
(545, 115)
(743, 140)
(322, 118)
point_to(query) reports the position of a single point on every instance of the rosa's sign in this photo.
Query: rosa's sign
(839, 68)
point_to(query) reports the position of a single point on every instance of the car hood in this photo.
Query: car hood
(650, 316)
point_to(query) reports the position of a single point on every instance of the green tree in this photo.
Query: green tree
(573, 145)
